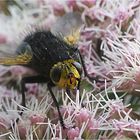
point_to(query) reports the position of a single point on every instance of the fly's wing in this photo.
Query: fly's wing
(68, 26)
(22, 56)
(16, 60)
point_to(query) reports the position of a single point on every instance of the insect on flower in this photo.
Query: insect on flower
(56, 61)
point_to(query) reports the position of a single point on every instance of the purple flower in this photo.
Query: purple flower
(73, 133)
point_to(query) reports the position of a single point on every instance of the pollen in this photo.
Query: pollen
(72, 38)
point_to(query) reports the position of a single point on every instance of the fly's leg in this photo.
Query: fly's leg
(78, 86)
(32, 79)
(23, 92)
(39, 79)
(56, 104)
(99, 50)
(84, 69)
(25, 80)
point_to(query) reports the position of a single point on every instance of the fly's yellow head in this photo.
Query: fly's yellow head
(66, 74)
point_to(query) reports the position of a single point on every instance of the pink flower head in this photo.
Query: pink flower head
(87, 35)
(92, 125)
(115, 106)
(72, 4)
(135, 125)
(3, 39)
(127, 127)
(89, 3)
(95, 13)
(32, 88)
(73, 133)
(36, 118)
(82, 116)
(57, 7)
(121, 15)
(66, 111)
(22, 131)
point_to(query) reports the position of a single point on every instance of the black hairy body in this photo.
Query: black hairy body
(46, 50)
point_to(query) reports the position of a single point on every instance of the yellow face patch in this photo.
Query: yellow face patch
(69, 75)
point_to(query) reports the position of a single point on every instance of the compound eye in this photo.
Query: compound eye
(78, 66)
(55, 74)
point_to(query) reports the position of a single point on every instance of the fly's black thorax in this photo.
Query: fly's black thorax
(46, 50)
